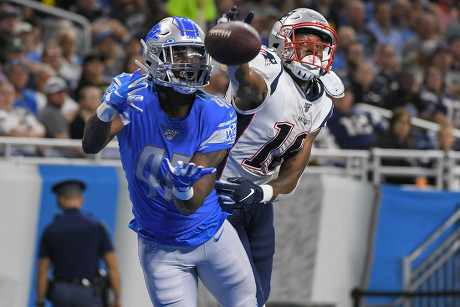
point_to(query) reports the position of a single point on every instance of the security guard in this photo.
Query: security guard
(73, 244)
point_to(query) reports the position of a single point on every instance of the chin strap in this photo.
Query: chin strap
(301, 72)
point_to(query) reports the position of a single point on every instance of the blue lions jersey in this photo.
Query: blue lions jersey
(147, 140)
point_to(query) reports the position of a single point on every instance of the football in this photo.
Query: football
(233, 43)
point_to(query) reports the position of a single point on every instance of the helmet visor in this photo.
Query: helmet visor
(315, 53)
(186, 63)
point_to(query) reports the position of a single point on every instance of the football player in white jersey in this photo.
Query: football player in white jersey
(281, 103)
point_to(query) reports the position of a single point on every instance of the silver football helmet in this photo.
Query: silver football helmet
(282, 39)
(175, 56)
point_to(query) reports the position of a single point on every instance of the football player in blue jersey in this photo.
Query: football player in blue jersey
(171, 136)
(281, 103)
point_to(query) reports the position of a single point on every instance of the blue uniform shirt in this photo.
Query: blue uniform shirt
(147, 140)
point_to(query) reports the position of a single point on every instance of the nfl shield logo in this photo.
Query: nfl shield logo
(307, 107)
(170, 134)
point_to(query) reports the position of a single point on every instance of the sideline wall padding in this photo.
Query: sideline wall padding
(321, 242)
(20, 190)
(343, 238)
(321, 232)
(406, 218)
(134, 291)
(101, 196)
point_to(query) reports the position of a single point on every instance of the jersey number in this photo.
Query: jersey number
(264, 154)
(148, 170)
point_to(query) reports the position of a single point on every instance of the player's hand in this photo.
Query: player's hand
(184, 176)
(121, 92)
(231, 13)
(242, 191)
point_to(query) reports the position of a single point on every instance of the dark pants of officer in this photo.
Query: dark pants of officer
(67, 294)
(254, 225)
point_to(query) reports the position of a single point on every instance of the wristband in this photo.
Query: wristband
(106, 112)
(267, 193)
(183, 195)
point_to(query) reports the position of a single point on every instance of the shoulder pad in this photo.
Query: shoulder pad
(333, 85)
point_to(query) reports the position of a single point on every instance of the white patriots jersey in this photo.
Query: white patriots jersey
(277, 129)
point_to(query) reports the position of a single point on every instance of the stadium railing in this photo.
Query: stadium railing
(415, 121)
(362, 165)
(430, 272)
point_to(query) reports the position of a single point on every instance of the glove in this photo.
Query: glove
(184, 176)
(243, 192)
(120, 95)
(231, 13)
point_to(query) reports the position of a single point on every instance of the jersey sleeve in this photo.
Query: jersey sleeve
(221, 126)
(320, 118)
(266, 64)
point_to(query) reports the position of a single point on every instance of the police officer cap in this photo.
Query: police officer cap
(68, 185)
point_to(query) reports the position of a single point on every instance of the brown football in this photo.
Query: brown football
(233, 43)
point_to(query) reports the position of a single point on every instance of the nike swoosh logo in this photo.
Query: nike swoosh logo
(250, 193)
(218, 237)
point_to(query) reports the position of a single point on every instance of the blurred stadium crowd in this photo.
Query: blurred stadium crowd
(399, 55)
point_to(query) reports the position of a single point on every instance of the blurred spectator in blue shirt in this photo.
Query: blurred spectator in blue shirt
(354, 128)
(24, 31)
(381, 26)
(355, 15)
(347, 36)
(17, 72)
(434, 102)
(18, 122)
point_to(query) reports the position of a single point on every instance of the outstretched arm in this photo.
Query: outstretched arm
(189, 197)
(99, 133)
(240, 191)
(111, 116)
(252, 88)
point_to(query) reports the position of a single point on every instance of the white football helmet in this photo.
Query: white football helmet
(282, 39)
(175, 56)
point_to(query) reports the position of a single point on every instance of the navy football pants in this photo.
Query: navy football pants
(254, 225)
